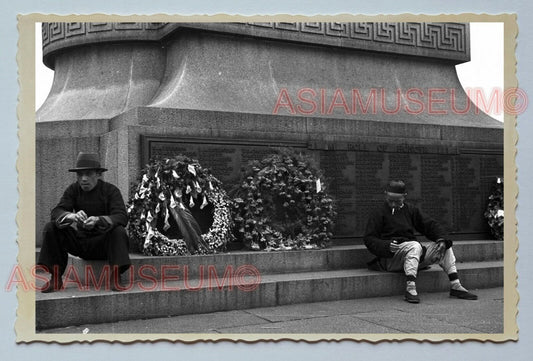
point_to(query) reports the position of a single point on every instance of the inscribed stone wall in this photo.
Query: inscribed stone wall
(451, 187)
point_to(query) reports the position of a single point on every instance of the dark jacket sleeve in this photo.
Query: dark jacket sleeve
(65, 205)
(426, 225)
(377, 246)
(116, 209)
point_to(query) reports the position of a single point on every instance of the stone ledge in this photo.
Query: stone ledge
(267, 263)
(74, 307)
(223, 124)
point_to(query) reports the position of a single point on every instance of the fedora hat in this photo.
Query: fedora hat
(87, 161)
(396, 187)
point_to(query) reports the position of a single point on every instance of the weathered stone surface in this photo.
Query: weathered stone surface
(259, 264)
(215, 67)
(93, 82)
(74, 307)
(338, 273)
(221, 78)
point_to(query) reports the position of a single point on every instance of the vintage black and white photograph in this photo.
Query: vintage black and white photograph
(268, 178)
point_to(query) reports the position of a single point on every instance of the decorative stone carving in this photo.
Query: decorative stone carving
(438, 40)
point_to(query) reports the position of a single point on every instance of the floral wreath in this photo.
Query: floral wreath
(282, 204)
(494, 213)
(162, 201)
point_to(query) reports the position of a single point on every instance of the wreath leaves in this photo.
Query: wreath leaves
(282, 204)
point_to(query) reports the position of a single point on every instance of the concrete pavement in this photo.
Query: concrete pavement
(436, 314)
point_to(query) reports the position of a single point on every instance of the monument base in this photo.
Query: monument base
(449, 169)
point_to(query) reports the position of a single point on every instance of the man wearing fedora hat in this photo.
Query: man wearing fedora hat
(390, 236)
(88, 222)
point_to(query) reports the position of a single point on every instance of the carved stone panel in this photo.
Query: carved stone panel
(339, 169)
(448, 185)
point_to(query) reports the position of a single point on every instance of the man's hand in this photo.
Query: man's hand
(441, 249)
(90, 222)
(78, 217)
(394, 246)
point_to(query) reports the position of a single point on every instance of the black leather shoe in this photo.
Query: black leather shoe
(53, 286)
(464, 295)
(411, 298)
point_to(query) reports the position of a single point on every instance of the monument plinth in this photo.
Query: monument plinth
(369, 101)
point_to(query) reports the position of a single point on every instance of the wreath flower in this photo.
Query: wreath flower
(161, 207)
(282, 204)
(494, 213)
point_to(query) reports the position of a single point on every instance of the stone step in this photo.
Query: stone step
(151, 298)
(275, 262)
(348, 240)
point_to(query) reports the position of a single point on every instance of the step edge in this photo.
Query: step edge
(270, 279)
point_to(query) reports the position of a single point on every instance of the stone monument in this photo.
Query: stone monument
(368, 101)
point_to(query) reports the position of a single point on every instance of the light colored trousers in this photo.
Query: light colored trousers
(408, 258)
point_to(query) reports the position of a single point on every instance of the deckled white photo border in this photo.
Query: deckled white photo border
(25, 323)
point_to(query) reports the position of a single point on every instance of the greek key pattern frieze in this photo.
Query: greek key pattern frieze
(441, 40)
(438, 36)
(53, 32)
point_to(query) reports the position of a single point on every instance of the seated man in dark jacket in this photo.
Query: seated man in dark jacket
(88, 222)
(390, 235)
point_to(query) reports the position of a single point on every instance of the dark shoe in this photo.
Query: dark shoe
(53, 286)
(411, 298)
(375, 265)
(116, 282)
(464, 295)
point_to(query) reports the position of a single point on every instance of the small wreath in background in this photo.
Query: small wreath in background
(282, 204)
(178, 208)
(494, 213)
